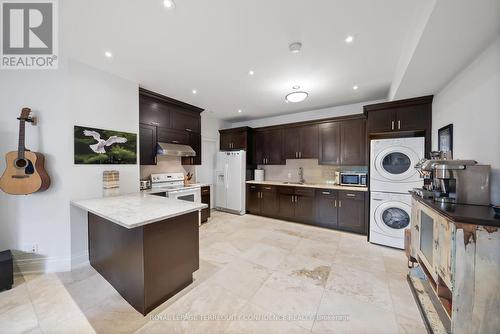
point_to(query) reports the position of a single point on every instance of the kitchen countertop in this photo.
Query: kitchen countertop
(137, 209)
(310, 185)
(462, 213)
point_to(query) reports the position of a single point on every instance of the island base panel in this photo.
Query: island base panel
(147, 264)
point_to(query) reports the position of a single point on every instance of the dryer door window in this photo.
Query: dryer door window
(395, 218)
(396, 163)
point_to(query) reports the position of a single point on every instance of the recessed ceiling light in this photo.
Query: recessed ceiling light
(355, 87)
(239, 110)
(296, 97)
(195, 91)
(296, 87)
(295, 47)
(349, 39)
(251, 72)
(169, 4)
(108, 54)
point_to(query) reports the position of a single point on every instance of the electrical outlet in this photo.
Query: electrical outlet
(31, 248)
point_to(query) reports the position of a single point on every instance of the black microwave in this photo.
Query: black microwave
(353, 179)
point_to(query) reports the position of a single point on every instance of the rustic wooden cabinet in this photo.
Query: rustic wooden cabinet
(205, 198)
(163, 119)
(147, 140)
(301, 142)
(268, 147)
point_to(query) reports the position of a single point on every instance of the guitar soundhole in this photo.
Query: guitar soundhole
(25, 164)
(21, 163)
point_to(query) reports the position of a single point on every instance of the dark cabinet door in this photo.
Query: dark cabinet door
(304, 208)
(413, 118)
(239, 140)
(292, 142)
(253, 199)
(326, 208)
(351, 214)
(268, 203)
(274, 147)
(225, 141)
(382, 120)
(286, 204)
(353, 142)
(309, 139)
(205, 198)
(195, 143)
(259, 147)
(152, 112)
(329, 143)
(173, 136)
(185, 121)
(147, 139)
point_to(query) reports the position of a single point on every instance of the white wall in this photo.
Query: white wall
(75, 94)
(348, 109)
(471, 101)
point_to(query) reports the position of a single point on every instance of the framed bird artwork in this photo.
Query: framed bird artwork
(98, 146)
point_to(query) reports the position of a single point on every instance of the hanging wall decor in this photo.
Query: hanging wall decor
(108, 147)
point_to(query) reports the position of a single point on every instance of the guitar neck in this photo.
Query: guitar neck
(21, 146)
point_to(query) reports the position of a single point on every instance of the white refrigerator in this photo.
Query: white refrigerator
(230, 181)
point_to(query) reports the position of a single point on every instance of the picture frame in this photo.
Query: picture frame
(445, 138)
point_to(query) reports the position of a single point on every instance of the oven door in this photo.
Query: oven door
(190, 195)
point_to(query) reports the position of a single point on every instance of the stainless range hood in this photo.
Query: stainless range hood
(175, 150)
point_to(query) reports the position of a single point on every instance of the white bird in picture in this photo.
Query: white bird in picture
(101, 143)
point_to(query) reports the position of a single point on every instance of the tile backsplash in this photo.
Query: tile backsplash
(166, 164)
(313, 172)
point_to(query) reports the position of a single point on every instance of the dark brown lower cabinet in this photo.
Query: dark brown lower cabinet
(261, 200)
(205, 199)
(351, 213)
(327, 208)
(337, 209)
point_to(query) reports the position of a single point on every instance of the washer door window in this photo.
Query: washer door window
(392, 216)
(396, 163)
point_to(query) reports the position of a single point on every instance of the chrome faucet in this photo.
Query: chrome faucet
(301, 175)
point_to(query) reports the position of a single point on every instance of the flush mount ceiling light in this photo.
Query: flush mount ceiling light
(239, 111)
(296, 87)
(355, 87)
(194, 91)
(251, 72)
(296, 97)
(349, 39)
(108, 54)
(295, 47)
(169, 4)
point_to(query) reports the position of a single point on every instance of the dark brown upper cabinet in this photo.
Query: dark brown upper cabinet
(343, 143)
(403, 115)
(236, 139)
(301, 142)
(353, 142)
(329, 143)
(167, 120)
(268, 147)
(147, 139)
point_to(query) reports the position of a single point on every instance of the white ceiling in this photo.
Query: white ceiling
(211, 45)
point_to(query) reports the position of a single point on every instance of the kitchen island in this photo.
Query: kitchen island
(146, 246)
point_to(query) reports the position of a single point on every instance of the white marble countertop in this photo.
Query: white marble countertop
(137, 209)
(310, 185)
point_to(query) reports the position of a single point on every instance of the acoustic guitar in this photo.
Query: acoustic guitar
(25, 172)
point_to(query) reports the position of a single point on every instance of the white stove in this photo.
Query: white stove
(172, 185)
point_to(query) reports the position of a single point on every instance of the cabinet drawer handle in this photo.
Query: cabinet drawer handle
(155, 123)
(189, 130)
(340, 203)
(268, 188)
(350, 195)
(175, 141)
(399, 125)
(253, 187)
(326, 193)
(300, 154)
(335, 203)
(392, 125)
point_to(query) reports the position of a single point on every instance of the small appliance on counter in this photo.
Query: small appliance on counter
(455, 181)
(259, 175)
(352, 179)
(145, 184)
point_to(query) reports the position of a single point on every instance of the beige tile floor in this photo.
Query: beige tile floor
(257, 275)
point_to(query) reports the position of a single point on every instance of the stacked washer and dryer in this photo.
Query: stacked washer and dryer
(392, 175)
